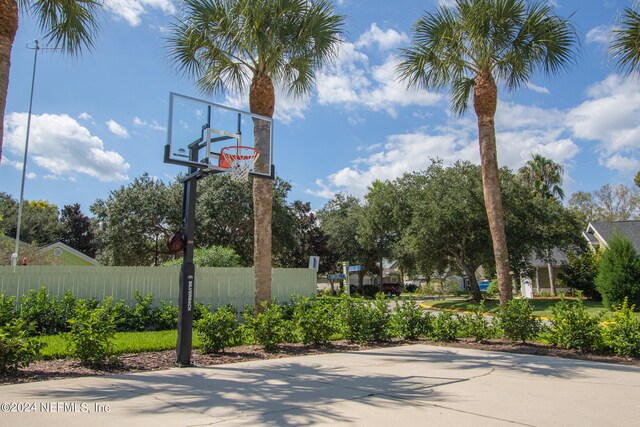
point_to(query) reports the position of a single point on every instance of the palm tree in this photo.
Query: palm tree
(543, 175)
(70, 25)
(625, 43)
(473, 46)
(227, 45)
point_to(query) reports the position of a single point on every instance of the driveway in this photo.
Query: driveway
(402, 386)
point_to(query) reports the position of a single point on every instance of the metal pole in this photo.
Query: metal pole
(14, 257)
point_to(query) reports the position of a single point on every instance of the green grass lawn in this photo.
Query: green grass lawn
(542, 307)
(56, 347)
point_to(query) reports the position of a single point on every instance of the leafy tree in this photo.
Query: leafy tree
(39, 222)
(377, 226)
(228, 45)
(609, 203)
(306, 239)
(339, 220)
(544, 176)
(580, 273)
(70, 25)
(449, 225)
(619, 273)
(8, 214)
(213, 256)
(39, 225)
(636, 180)
(471, 47)
(624, 46)
(76, 230)
(128, 222)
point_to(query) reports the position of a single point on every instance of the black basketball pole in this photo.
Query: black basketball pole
(187, 272)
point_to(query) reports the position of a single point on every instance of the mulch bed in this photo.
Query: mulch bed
(152, 361)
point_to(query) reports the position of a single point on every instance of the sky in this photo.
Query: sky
(100, 120)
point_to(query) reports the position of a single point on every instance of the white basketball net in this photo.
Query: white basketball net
(240, 161)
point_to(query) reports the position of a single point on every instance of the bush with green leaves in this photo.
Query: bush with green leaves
(364, 320)
(315, 320)
(212, 256)
(17, 348)
(476, 325)
(410, 321)
(92, 332)
(572, 327)
(268, 328)
(619, 273)
(218, 330)
(516, 321)
(166, 316)
(444, 327)
(580, 274)
(492, 290)
(143, 315)
(123, 317)
(43, 312)
(8, 310)
(622, 334)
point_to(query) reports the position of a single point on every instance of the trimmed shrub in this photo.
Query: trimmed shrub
(580, 274)
(166, 316)
(410, 320)
(516, 321)
(218, 330)
(43, 312)
(7, 309)
(444, 327)
(572, 327)
(619, 273)
(17, 348)
(143, 318)
(269, 327)
(476, 325)
(316, 321)
(622, 335)
(364, 321)
(92, 332)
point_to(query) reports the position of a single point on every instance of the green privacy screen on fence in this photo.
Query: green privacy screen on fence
(215, 286)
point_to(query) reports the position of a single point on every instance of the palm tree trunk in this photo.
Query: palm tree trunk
(262, 101)
(8, 28)
(485, 98)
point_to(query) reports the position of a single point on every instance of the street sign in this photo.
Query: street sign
(353, 268)
(335, 276)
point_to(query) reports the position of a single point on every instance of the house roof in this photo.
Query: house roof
(558, 257)
(605, 230)
(70, 249)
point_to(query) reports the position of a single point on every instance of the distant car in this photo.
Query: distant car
(484, 285)
(392, 289)
(410, 286)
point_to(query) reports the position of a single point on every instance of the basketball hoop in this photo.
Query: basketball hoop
(238, 160)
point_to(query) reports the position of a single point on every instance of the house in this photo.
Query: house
(599, 233)
(545, 273)
(68, 255)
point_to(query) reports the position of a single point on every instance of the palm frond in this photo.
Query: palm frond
(70, 25)
(625, 46)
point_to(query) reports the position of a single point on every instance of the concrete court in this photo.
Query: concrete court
(402, 386)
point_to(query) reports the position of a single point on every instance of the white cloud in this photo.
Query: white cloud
(384, 39)
(611, 116)
(538, 89)
(63, 147)
(85, 116)
(600, 35)
(153, 125)
(620, 163)
(287, 109)
(132, 11)
(350, 81)
(522, 131)
(117, 129)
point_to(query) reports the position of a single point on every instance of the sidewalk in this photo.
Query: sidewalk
(401, 386)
